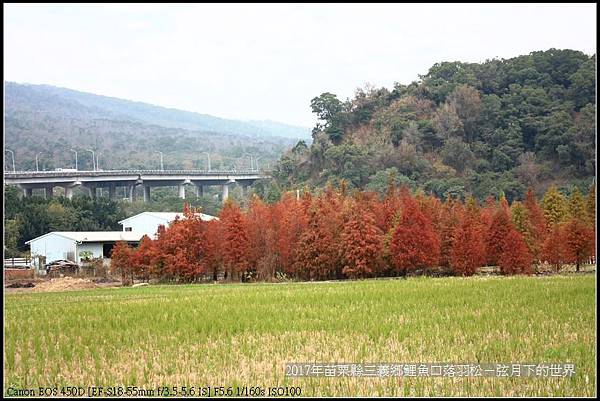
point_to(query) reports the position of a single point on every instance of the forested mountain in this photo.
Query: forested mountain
(73, 103)
(498, 126)
(42, 118)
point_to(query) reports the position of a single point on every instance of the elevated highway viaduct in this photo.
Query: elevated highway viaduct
(129, 179)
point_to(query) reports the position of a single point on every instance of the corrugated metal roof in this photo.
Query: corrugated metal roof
(169, 216)
(95, 236)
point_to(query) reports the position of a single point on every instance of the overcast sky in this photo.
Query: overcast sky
(268, 61)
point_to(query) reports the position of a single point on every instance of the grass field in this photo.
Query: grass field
(242, 335)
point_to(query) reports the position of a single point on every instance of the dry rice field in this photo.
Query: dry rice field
(242, 335)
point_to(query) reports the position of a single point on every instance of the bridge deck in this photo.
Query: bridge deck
(103, 173)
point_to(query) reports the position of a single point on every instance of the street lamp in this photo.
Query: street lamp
(73, 150)
(251, 162)
(36, 161)
(239, 162)
(93, 158)
(13, 158)
(161, 160)
(208, 155)
(256, 162)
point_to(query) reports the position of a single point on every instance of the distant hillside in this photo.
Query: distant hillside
(110, 107)
(289, 131)
(463, 128)
(42, 118)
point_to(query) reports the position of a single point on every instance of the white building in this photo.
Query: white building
(147, 223)
(69, 245)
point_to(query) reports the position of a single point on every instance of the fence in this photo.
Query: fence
(18, 262)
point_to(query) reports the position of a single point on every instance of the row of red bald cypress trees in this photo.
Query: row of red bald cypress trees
(339, 234)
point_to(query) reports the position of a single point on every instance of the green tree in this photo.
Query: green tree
(590, 204)
(576, 205)
(554, 205)
(583, 83)
(457, 154)
(11, 238)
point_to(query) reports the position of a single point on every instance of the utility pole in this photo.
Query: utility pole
(97, 163)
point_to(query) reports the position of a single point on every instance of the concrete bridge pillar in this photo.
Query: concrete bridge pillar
(146, 193)
(131, 192)
(27, 192)
(225, 193)
(199, 191)
(48, 192)
(112, 191)
(92, 191)
(181, 189)
(68, 192)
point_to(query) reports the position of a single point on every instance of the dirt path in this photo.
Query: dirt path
(61, 284)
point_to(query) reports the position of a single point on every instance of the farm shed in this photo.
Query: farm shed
(69, 245)
(147, 222)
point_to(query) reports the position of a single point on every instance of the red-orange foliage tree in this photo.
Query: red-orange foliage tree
(214, 248)
(497, 232)
(120, 262)
(158, 267)
(262, 239)
(468, 246)
(142, 257)
(414, 243)
(290, 217)
(362, 243)
(579, 242)
(486, 215)
(538, 223)
(431, 207)
(319, 254)
(449, 220)
(188, 242)
(552, 250)
(515, 257)
(166, 244)
(387, 212)
(235, 242)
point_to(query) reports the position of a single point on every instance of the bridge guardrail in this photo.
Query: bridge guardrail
(128, 172)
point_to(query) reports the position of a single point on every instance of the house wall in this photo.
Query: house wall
(53, 247)
(146, 224)
(94, 247)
